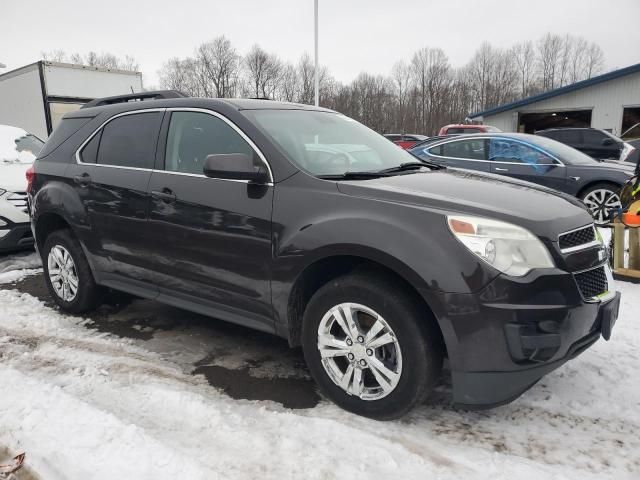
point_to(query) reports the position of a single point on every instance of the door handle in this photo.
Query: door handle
(83, 180)
(166, 195)
(498, 169)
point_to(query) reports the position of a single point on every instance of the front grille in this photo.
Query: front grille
(592, 282)
(577, 237)
(19, 200)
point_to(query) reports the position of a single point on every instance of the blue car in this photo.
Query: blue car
(534, 159)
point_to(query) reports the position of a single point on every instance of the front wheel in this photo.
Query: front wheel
(369, 346)
(601, 199)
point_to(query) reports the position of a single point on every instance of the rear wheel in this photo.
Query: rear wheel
(369, 347)
(67, 273)
(601, 199)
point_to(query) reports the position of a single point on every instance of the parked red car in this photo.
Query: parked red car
(405, 141)
(457, 129)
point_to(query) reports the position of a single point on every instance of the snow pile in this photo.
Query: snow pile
(88, 405)
(15, 267)
(9, 137)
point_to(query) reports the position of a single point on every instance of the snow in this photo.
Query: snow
(85, 404)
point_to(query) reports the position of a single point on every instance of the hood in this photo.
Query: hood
(543, 211)
(12, 176)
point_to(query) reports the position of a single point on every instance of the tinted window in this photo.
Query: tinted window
(130, 140)
(469, 149)
(458, 130)
(593, 137)
(393, 138)
(572, 137)
(193, 136)
(89, 153)
(66, 128)
(565, 153)
(505, 150)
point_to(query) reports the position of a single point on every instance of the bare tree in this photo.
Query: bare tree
(54, 55)
(594, 63)
(548, 53)
(263, 71)
(524, 57)
(219, 65)
(180, 75)
(402, 82)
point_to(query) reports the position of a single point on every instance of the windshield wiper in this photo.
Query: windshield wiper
(431, 165)
(353, 175)
(408, 166)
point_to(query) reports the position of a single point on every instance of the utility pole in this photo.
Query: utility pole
(317, 67)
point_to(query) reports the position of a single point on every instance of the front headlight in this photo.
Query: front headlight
(511, 249)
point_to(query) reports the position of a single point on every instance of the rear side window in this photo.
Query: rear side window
(468, 149)
(66, 128)
(458, 130)
(572, 137)
(193, 136)
(130, 140)
(593, 137)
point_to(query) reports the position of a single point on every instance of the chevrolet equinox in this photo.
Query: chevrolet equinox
(301, 222)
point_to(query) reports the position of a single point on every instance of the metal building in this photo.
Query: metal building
(610, 101)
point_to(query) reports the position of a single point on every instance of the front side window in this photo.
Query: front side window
(130, 140)
(193, 136)
(467, 149)
(511, 151)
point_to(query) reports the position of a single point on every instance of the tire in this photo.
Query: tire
(87, 295)
(417, 344)
(601, 198)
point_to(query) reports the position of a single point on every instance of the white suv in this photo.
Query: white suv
(18, 150)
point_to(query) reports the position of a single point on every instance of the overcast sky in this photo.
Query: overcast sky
(355, 35)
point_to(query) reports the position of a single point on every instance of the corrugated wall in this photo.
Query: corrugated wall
(606, 100)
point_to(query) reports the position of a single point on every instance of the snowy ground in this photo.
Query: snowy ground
(115, 396)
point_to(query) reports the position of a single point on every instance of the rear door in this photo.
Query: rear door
(213, 236)
(524, 161)
(467, 153)
(111, 176)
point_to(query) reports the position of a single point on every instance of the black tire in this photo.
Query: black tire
(88, 295)
(418, 338)
(611, 187)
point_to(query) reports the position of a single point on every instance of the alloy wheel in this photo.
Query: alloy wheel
(359, 351)
(600, 203)
(62, 273)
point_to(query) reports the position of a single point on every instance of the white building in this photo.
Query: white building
(610, 102)
(36, 96)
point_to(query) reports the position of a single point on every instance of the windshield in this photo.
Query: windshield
(326, 143)
(18, 146)
(564, 153)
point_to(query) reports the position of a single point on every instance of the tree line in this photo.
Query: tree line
(419, 95)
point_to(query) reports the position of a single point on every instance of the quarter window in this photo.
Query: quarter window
(510, 151)
(89, 153)
(130, 140)
(193, 136)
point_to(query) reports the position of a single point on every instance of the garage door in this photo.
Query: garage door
(532, 122)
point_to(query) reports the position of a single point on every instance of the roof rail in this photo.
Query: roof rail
(134, 97)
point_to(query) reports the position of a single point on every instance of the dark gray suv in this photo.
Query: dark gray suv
(301, 222)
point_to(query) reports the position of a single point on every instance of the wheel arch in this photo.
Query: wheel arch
(593, 183)
(327, 267)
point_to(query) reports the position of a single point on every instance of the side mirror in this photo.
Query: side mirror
(234, 166)
(607, 142)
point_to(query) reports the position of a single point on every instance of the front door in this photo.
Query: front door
(111, 178)
(516, 159)
(213, 236)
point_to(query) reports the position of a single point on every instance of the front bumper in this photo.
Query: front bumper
(502, 340)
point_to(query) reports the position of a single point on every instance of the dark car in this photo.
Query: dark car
(596, 143)
(301, 222)
(404, 140)
(538, 160)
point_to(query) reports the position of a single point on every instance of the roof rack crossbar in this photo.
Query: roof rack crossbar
(135, 97)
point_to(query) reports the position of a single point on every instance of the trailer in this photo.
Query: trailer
(36, 96)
